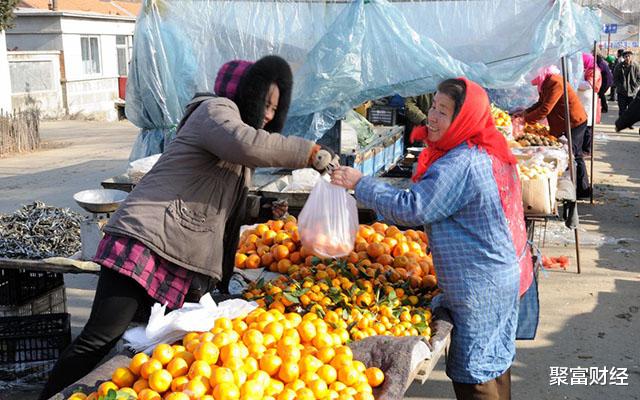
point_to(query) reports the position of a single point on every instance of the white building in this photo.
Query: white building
(70, 61)
(5, 84)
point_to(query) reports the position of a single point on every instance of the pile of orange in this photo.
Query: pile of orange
(275, 245)
(266, 355)
(361, 305)
(380, 250)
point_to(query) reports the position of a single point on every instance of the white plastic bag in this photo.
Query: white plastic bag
(302, 180)
(139, 168)
(192, 317)
(328, 223)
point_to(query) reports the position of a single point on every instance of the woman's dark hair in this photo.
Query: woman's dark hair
(253, 89)
(457, 90)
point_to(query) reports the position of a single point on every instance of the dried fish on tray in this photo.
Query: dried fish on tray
(38, 231)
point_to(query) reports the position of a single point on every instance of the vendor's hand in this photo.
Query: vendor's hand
(325, 160)
(346, 177)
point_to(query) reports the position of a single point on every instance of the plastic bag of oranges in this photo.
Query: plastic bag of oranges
(328, 223)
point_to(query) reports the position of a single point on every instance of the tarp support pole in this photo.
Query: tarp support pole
(568, 134)
(593, 115)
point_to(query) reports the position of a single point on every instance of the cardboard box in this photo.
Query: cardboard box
(539, 195)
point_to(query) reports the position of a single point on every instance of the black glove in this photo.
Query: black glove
(325, 160)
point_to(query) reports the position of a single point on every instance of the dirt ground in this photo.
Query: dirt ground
(587, 320)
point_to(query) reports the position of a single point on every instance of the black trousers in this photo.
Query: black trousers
(582, 178)
(623, 103)
(118, 298)
(586, 143)
(495, 389)
(604, 107)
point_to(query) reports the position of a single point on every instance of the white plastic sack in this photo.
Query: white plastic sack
(302, 180)
(192, 317)
(139, 168)
(328, 223)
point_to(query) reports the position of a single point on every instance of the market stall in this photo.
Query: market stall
(343, 54)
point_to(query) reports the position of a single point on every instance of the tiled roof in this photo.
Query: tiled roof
(115, 7)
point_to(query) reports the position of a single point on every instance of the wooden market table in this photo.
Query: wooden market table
(56, 264)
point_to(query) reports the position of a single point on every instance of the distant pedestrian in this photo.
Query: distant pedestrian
(585, 93)
(613, 63)
(607, 82)
(627, 80)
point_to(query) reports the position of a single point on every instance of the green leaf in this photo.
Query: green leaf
(315, 261)
(345, 314)
(298, 293)
(291, 298)
(392, 296)
(421, 326)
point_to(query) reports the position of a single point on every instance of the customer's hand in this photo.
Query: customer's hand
(346, 177)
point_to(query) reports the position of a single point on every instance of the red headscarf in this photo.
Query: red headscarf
(473, 125)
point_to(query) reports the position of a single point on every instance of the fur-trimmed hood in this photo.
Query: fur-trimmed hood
(254, 86)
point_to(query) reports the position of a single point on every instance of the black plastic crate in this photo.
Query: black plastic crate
(20, 286)
(51, 302)
(382, 115)
(32, 338)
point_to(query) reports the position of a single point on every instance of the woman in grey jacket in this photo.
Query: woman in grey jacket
(175, 235)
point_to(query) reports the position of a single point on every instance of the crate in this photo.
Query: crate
(20, 286)
(51, 302)
(33, 338)
(382, 115)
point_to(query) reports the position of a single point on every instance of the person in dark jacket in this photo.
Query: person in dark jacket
(613, 63)
(174, 237)
(630, 116)
(627, 80)
(607, 81)
(416, 109)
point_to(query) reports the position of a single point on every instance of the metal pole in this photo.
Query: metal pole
(608, 44)
(594, 103)
(567, 121)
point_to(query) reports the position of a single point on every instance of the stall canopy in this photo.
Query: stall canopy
(342, 52)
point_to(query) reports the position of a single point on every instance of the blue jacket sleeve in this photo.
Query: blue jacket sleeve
(443, 191)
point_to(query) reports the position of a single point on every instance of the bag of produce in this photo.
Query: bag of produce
(328, 223)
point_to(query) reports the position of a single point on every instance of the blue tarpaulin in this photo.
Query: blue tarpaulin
(343, 52)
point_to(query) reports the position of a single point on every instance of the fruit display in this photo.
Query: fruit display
(529, 139)
(275, 245)
(265, 355)
(536, 129)
(294, 345)
(537, 135)
(500, 117)
(535, 171)
(382, 288)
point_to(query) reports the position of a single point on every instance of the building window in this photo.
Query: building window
(124, 45)
(90, 55)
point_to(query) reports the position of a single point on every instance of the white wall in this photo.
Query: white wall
(5, 81)
(74, 28)
(92, 95)
(35, 81)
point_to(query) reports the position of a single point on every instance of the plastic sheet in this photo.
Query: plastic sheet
(342, 53)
